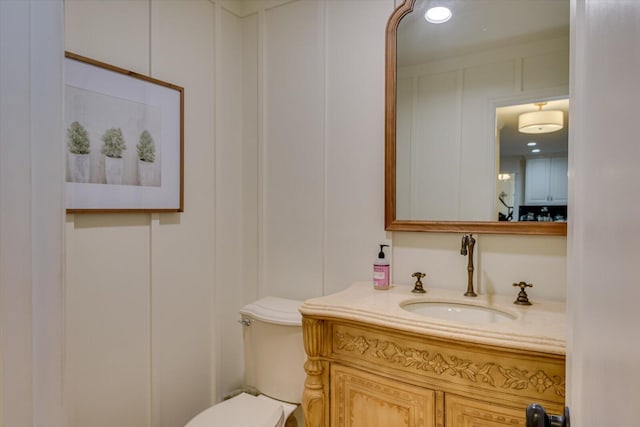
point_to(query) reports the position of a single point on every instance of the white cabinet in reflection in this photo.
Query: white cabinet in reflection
(546, 181)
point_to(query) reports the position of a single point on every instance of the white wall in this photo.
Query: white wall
(322, 142)
(236, 195)
(139, 287)
(499, 261)
(293, 147)
(31, 214)
(603, 289)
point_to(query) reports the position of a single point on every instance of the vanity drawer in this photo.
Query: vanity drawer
(509, 376)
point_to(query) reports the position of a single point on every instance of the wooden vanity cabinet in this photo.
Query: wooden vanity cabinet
(360, 375)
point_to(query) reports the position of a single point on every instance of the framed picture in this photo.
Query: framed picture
(124, 140)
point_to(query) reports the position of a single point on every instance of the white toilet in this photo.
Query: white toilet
(274, 364)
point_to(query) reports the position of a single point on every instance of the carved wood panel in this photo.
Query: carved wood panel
(481, 369)
(464, 412)
(359, 399)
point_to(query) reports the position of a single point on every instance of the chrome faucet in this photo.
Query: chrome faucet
(468, 242)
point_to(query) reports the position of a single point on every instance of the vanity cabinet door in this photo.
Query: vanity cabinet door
(466, 412)
(360, 399)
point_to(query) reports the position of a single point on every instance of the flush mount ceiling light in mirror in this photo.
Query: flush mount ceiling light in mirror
(541, 121)
(438, 15)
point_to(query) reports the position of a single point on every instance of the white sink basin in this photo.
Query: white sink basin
(458, 312)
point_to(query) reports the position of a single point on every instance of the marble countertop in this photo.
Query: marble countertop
(539, 327)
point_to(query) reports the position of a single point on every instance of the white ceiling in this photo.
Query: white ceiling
(486, 24)
(477, 24)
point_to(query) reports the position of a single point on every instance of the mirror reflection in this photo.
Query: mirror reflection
(462, 86)
(532, 178)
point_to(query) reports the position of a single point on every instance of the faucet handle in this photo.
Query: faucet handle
(523, 298)
(418, 289)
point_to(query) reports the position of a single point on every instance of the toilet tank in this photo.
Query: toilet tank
(273, 348)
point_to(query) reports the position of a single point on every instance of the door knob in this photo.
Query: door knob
(538, 417)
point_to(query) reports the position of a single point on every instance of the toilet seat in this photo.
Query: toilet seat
(242, 410)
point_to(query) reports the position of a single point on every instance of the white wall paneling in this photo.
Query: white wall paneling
(47, 216)
(107, 320)
(603, 290)
(182, 51)
(140, 287)
(31, 214)
(499, 262)
(354, 140)
(15, 226)
(321, 135)
(250, 156)
(89, 23)
(236, 189)
(293, 162)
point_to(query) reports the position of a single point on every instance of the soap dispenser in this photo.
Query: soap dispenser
(381, 271)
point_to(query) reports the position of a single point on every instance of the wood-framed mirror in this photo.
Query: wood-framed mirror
(454, 93)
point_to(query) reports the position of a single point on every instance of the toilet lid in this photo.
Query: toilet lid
(279, 311)
(243, 410)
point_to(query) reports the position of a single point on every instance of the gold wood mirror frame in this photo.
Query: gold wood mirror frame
(394, 224)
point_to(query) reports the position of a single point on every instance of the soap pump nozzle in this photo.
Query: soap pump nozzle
(381, 253)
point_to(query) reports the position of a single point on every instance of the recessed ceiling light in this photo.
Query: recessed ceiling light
(535, 150)
(438, 15)
(532, 144)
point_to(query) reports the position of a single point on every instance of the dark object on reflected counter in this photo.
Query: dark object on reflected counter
(543, 213)
(509, 215)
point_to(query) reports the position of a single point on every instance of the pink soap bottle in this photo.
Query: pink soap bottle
(381, 271)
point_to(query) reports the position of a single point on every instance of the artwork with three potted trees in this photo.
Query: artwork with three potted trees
(109, 110)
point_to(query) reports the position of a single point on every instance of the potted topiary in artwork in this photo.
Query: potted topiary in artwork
(79, 148)
(112, 147)
(146, 158)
